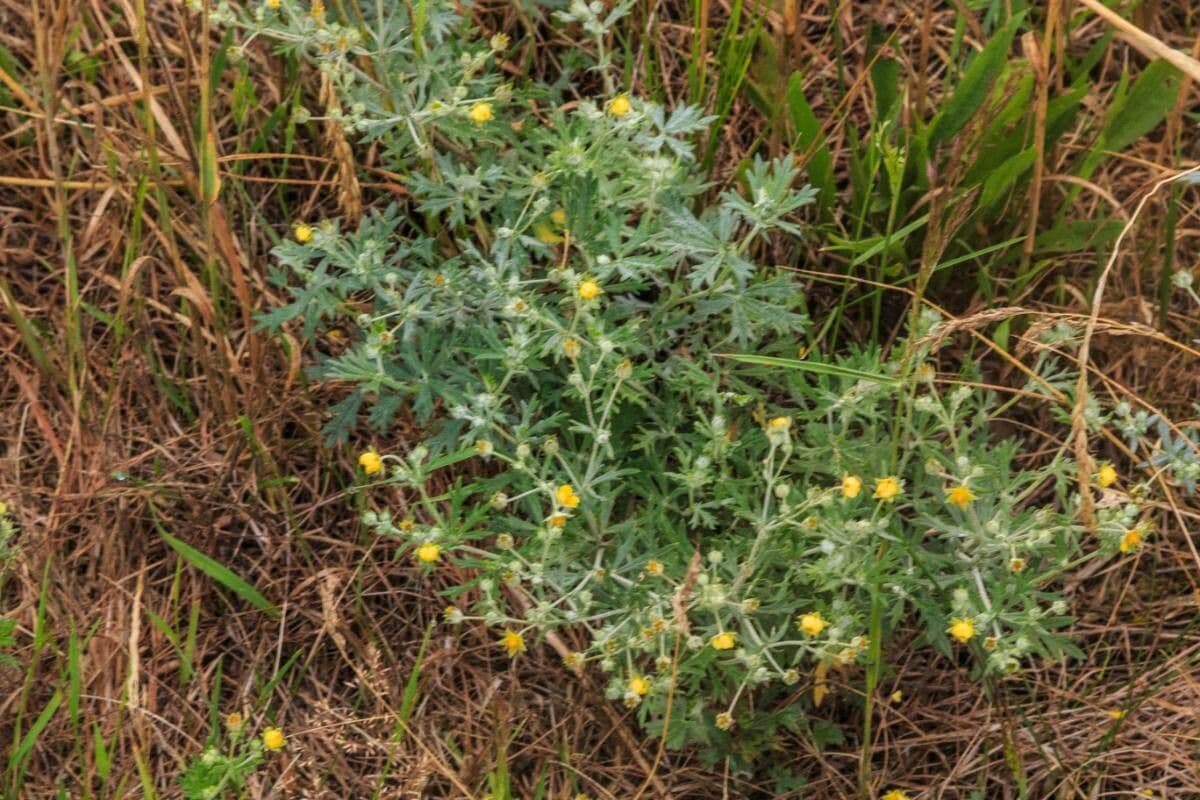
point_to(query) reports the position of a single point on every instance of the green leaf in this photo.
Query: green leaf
(810, 141)
(219, 573)
(1076, 235)
(825, 733)
(450, 458)
(976, 84)
(880, 242)
(1004, 176)
(16, 763)
(1148, 102)
(100, 753)
(818, 367)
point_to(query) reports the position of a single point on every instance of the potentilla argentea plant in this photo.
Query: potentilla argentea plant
(556, 299)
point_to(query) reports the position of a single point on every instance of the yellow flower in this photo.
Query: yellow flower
(1016, 564)
(481, 113)
(887, 488)
(274, 4)
(1117, 713)
(407, 524)
(812, 623)
(3, 508)
(962, 629)
(571, 348)
(851, 486)
(960, 496)
(1131, 541)
(724, 721)
(371, 462)
(546, 235)
(234, 721)
(725, 640)
(558, 520)
(513, 643)
(303, 233)
(895, 794)
(654, 568)
(483, 447)
(566, 497)
(429, 553)
(619, 106)
(779, 424)
(558, 216)
(272, 739)
(639, 685)
(1106, 476)
(589, 290)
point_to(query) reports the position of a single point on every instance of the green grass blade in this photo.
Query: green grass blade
(975, 86)
(100, 753)
(219, 573)
(810, 142)
(1148, 102)
(450, 458)
(817, 367)
(16, 763)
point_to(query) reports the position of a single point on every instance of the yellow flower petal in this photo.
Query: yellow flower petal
(812, 623)
(725, 640)
(273, 739)
(962, 629)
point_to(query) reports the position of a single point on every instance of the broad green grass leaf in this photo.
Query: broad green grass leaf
(885, 79)
(975, 86)
(1075, 235)
(16, 763)
(219, 573)
(1004, 176)
(100, 753)
(1148, 102)
(810, 141)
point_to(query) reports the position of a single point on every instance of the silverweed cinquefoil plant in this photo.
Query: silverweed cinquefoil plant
(554, 301)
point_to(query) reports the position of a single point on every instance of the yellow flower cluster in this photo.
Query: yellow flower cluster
(273, 739)
(589, 290)
(371, 462)
(619, 106)
(481, 113)
(725, 640)
(888, 489)
(962, 629)
(566, 497)
(1131, 541)
(429, 553)
(812, 623)
(513, 643)
(960, 496)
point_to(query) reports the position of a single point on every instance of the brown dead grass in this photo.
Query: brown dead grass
(117, 430)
